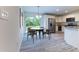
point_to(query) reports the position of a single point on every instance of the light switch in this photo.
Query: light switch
(4, 14)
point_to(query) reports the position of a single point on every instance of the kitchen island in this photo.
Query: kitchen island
(71, 35)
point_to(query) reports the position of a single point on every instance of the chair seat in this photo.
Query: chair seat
(47, 32)
(31, 33)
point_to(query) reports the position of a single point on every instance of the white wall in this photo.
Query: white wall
(9, 30)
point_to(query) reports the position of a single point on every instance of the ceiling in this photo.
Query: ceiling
(56, 10)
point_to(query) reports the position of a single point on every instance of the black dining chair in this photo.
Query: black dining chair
(47, 32)
(31, 33)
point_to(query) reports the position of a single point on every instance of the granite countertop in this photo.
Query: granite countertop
(66, 23)
(72, 27)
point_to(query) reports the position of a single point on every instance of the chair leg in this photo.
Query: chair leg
(39, 35)
(27, 36)
(33, 38)
(49, 36)
(36, 36)
(43, 36)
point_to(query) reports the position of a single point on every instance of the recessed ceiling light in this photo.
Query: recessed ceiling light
(66, 11)
(57, 10)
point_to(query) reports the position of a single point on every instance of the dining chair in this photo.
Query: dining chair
(47, 31)
(31, 33)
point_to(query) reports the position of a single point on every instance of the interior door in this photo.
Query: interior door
(51, 24)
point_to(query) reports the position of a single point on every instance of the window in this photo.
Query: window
(32, 21)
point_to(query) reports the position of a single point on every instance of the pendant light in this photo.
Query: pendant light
(38, 14)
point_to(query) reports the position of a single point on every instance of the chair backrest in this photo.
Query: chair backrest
(48, 31)
(31, 31)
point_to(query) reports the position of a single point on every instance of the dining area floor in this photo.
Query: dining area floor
(55, 44)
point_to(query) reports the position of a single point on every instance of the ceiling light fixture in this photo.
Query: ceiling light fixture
(38, 16)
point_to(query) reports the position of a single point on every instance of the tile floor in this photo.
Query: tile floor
(55, 44)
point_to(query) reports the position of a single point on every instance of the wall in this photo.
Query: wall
(9, 30)
(22, 27)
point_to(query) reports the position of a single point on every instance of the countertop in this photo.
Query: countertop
(72, 27)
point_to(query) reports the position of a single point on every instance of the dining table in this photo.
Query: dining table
(38, 30)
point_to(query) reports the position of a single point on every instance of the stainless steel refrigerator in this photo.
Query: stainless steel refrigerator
(51, 25)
